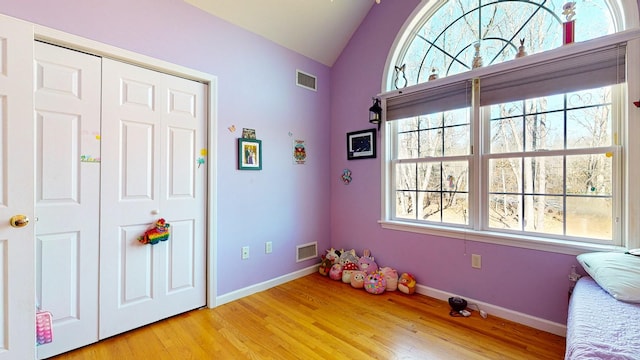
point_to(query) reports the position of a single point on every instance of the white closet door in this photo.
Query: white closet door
(153, 130)
(67, 111)
(17, 269)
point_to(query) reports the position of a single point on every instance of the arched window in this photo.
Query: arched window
(496, 126)
(450, 34)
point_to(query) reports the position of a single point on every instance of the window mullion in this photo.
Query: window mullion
(478, 187)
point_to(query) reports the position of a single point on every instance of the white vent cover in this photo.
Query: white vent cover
(306, 81)
(306, 251)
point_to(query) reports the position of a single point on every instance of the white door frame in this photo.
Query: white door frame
(57, 37)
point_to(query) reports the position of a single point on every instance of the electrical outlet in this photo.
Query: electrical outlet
(476, 261)
(268, 247)
(245, 252)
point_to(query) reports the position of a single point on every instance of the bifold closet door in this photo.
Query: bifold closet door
(17, 270)
(153, 143)
(67, 112)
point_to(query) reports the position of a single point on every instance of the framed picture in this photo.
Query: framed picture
(249, 154)
(361, 144)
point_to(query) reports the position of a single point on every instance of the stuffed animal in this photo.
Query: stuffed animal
(347, 272)
(333, 255)
(336, 272)
(160, 232)
(325, 266)
(391, 276)
(348, 257)
(367, 263)
(357, 279)
(375, 283)
(407, 283)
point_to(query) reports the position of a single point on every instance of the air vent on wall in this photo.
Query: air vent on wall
(305, 80)
(306, 251)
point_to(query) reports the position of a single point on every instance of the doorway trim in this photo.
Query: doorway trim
(60, 38)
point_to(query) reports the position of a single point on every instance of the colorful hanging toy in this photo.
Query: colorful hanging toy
(156, 234)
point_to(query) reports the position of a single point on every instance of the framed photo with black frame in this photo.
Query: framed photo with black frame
(361, 144)
(249, 154)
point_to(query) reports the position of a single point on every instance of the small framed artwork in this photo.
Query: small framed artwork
(361, 144)
(249, 154)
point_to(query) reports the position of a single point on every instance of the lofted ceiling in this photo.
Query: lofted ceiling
(318, 29)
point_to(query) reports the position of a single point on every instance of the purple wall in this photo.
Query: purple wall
(284, 203)
(527, 281)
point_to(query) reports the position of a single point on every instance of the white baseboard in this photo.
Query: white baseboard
(518, 317)
(492, 310)
(240, 293)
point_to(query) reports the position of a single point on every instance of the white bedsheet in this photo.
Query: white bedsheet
(601, 327)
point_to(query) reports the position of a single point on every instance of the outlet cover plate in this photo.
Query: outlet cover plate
(476, 261)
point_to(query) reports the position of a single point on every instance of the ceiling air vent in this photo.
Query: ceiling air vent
(306, 80)
(306, 251)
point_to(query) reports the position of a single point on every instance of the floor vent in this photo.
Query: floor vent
(305, 80)
(306, 251)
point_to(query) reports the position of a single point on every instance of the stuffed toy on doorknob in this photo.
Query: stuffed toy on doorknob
(158, 233)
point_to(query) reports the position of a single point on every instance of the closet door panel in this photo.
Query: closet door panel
(137, 163)
(67, 110)
(153, 125)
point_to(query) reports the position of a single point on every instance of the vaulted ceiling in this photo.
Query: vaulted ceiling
(318, 29)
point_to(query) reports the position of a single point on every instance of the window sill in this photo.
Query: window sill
(526, 242)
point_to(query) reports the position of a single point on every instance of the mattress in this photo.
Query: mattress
(601, 327)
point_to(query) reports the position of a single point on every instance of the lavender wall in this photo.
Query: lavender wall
(284, 203)
(527, 281)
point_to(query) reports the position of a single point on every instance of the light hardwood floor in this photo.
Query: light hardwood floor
(317, 318)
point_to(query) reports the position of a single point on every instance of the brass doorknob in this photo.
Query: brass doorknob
(19, 221)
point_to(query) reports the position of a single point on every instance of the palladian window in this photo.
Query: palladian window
(508, 118)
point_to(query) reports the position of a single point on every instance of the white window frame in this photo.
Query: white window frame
(630, 192)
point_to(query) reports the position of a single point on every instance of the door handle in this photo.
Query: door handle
(18, 221)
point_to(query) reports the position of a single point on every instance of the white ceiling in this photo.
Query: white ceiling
(318, 29)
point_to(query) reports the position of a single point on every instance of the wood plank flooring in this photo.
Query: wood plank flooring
(315, 317)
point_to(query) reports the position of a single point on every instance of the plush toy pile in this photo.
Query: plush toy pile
(362, 272)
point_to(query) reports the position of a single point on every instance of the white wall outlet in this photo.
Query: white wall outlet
(245, 252)
(268, 247)
(476, 261)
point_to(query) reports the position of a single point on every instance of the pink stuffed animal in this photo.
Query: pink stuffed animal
(367, 263)
(391, 276)
(357, 279)
(375, 283)
(336, 272)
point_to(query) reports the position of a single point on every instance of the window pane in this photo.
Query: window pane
(543, 175)
(429, 176)
(430, 143)
(408, 145)
(505, 212)
(430, 206)
(589, 120)
(505, 176)
(406, 177)
(545, 131)
(506, 134)
(405, 201)
(456, 140)
(455, 176)
(456, 209)
(543, 214)
(589, 217)
(590, 175)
